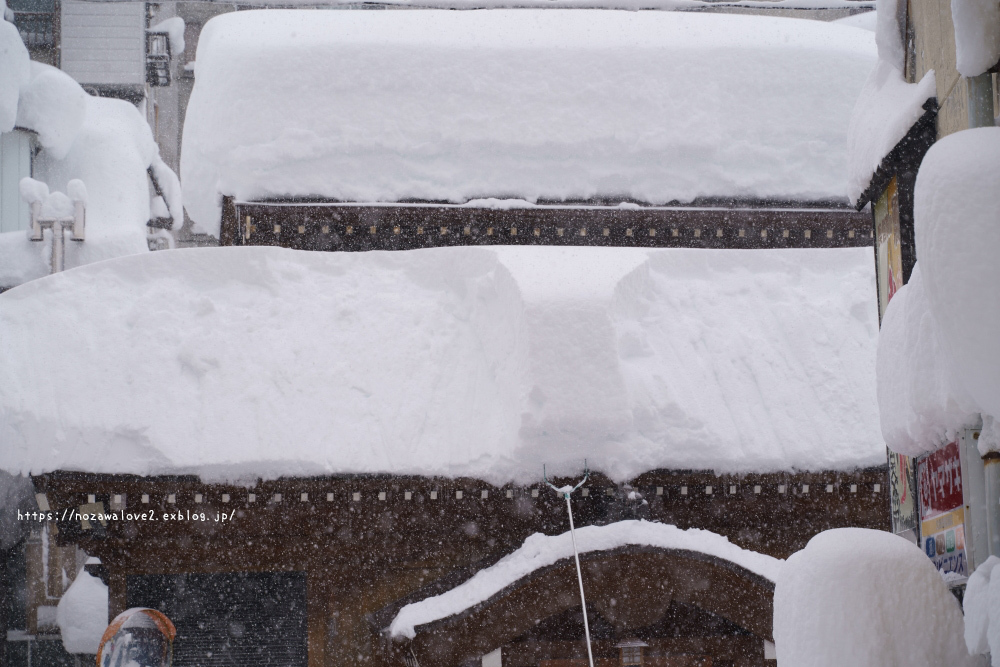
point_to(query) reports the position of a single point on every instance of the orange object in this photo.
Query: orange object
(141, 630)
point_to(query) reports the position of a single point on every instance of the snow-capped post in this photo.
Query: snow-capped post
(566, 492)
(56, 211)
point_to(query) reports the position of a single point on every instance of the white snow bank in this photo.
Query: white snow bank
(529, 104)
(174, 27)
(82, 614)
(14, 72)
(885, 111)
(865, 598)
(977, 35)
(53, 105)
(451, 361)
(539, 551)
(939, 363)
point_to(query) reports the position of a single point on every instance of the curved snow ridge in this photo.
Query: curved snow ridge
(238, 363)
(540, 551)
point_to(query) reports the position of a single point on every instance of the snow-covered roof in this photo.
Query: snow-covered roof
(104, 142)
(540, 551)
(535, 104)
(887, 107)
(488, 362)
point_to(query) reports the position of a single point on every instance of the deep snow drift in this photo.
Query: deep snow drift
(866, 598)
(453, 361)
(539, 551)
(938, 355)
(551, 104)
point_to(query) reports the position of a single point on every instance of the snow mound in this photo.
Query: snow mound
(865, 598)
(54, 106)
(82, 614)
(977, 604)
(922, 405)
(539, 551)
(526, 104)
(473, 361)
(885, 111)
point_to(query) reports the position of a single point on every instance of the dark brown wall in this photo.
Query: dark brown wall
(353, 227)
(362, 555)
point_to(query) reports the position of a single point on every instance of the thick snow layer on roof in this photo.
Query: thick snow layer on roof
(866, 598)
(938, 360)
(83, 614)
(550, 104)
(238, 362)
(540, 551)
(885, 111)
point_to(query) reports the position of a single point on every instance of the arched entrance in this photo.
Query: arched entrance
(690, 608)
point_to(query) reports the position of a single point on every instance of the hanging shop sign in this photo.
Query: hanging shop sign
(889, 273)
(942, 510)
(888, 246)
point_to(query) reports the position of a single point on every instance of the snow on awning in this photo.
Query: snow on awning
(540, 551)
(486, 362)
(885, 111)
(534, 104)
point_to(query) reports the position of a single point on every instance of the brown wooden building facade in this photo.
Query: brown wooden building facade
(345, 226)
(310, 571)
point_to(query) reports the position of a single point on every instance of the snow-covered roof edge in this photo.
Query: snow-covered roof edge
(778, 131)
(887, 107)
(541, 551)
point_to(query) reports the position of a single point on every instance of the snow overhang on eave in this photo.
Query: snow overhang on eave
(905, 155)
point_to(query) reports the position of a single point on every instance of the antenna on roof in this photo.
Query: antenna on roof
(566, 492)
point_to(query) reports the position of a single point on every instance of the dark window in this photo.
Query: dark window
(230, 620)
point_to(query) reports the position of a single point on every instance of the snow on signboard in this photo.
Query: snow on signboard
(532, 104)
(938, 359)
(476, 361)
(866, 598)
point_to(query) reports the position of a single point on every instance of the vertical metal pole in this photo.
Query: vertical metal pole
(579, 576)
(980, 98)
(58, 247)
(991, 464)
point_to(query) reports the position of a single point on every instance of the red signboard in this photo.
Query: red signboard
(940, 482)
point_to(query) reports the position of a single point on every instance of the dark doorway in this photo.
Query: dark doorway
(230, 620)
